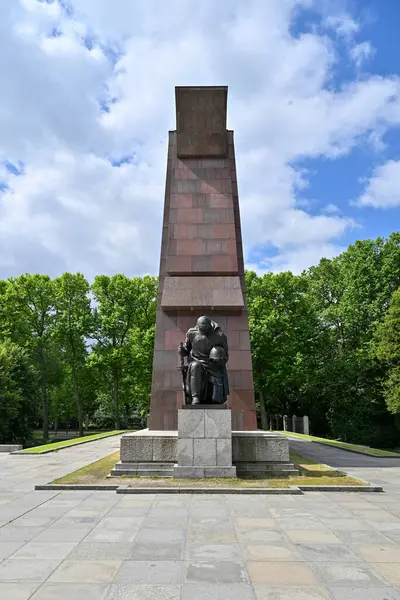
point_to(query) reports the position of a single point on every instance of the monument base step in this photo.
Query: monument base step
(148, 469)
(241, 469)
(265, 469)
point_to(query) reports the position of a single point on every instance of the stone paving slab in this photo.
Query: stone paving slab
(71, 591)
(144, 592)
(267, 592)
(97, 544)
(17, 591)
(78, 571)
(222, 591)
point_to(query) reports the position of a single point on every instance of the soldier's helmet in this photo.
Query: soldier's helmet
(217, 354)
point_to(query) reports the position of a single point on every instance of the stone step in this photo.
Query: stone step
(150, 469)
(271, 466)
(143, 473)
(265, 469)
(128, 466)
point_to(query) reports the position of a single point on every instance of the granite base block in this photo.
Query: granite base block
(149, 446)
(203, 472)
(181, 472)
(204, 452)
(259, 446)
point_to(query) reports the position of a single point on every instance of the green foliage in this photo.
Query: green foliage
(324, 343)
(286, 339)
(17, 394)
(124, 308)
(311, 340)
(29, 314)
(387, 341)
(73, 322)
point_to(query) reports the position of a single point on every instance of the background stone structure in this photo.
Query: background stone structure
(201, 266)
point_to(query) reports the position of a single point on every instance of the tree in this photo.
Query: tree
(387, 344)
(351, 294)
(122, 305)
(285, 338)
(73, 324)
(3, 311)
(17, 394)
(29, 316)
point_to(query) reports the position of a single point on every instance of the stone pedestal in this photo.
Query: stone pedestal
(204, 443)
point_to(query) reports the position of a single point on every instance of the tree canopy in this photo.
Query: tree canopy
(313, 341)
(324, 343)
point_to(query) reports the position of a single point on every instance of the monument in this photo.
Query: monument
(201, 266)
(202, 273)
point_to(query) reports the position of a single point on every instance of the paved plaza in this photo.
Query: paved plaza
(72, 545)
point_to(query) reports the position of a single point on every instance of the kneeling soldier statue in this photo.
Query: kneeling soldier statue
(205, 379)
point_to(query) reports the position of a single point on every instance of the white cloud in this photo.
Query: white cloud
(72, 209)
(331, 209)
(343, 23)
(82, 211)
(361, 52)
(383, 188)
(296, 259)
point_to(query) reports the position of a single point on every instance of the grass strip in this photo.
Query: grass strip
(66, 443)
(96, 472)
(357, 448)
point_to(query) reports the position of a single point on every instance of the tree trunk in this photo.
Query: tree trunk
(263, 412)
(44, 396)
(117, 422)
(78, 402)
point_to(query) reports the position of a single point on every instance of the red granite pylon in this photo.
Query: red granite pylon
(201, 266)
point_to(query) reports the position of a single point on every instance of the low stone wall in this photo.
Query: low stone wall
(149, 446)
(259, 446)
(254, 453)
(10, 447)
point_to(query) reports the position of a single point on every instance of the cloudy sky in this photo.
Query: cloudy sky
(87, 99)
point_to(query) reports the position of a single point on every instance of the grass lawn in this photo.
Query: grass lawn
(71, 442)
(363, 449)
(94, 473)
(311, 473)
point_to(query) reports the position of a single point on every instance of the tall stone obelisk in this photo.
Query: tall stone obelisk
(201, 266)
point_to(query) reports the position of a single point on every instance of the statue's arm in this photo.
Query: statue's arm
(186, 347)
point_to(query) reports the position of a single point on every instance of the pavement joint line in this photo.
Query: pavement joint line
(31, 509)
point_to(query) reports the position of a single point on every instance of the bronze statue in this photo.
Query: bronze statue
(205, 379)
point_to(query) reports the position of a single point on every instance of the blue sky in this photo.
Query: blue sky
(88, 97)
